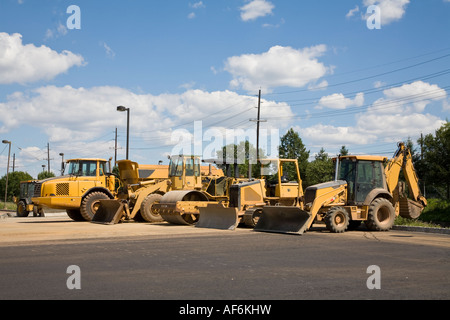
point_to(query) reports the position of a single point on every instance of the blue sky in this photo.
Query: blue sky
(320, 69)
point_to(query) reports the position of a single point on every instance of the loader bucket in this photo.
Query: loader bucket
(109, 212)
(282, 219)
(216, 216)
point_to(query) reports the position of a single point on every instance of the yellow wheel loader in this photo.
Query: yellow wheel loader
(240, 200)
(363, 191)
(138, 197)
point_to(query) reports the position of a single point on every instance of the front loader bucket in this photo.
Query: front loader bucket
(282, 219)
(216, 216)
(109, 212)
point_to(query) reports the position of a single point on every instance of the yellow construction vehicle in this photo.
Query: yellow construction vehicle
(363, 190)
(137, 198)
(79, 190)
(240, 201)
(24, 204)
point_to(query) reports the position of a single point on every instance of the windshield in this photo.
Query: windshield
(83, 168)
(347, 170)
(269, 167)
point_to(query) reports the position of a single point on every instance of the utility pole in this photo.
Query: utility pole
(258, 120)
(48, 156)
(115, 149)
(14, 161)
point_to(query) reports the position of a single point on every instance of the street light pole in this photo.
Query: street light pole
(62, 163)
(121, 109)
(7, 169)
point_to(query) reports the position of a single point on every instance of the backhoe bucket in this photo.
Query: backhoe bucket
(216, 216)
(109, 212)
(283, 219)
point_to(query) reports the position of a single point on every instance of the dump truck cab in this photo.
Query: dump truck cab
(77, 191)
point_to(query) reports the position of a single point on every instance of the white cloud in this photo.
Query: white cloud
(399, 114)
(328, 135)
(352, 12)
(60, 30)
(339, 101)
(109, 52)
(280, 66)
(197, 5)
(411, 97)
(391, 10)
(83, 114)
(256, 9)
(27, 63)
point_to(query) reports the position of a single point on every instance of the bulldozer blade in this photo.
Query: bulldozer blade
(109, 212)
(216, 216)
(283, 219)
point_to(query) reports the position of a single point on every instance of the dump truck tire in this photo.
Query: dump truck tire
(75, 214)
(337, 220)
(22, 209)
(381, 215)
(90, 204)
(146, 208)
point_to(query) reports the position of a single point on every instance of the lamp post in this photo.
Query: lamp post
(62, 163)
(122, 109)
(7, 169)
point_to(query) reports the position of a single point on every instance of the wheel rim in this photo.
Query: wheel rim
(339, 219)
(383, 215)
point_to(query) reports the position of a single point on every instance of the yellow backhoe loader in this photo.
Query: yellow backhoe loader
(137, 197)
(363, 190)
(241, 199)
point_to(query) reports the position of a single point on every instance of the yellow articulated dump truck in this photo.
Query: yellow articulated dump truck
(78, 191)
(364, 190)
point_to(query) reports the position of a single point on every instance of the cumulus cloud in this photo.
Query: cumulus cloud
(280, 66)
(391, 10)
(256, 9)
(22, 64)
(83, 114)
(410, 97)
(399, 114)
(339, 101)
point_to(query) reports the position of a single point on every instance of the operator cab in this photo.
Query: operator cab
(362, 174)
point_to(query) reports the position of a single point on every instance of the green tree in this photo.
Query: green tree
(321, 169)
(435, 155)
(45, 174)
(292, 147)
(14, 179)
(343, 151)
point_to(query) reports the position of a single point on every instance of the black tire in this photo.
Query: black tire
(252, 220)
(90, 204)
(337, 220)
(381, 215)
(75, 214)
(146, 208)
(22, 209)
